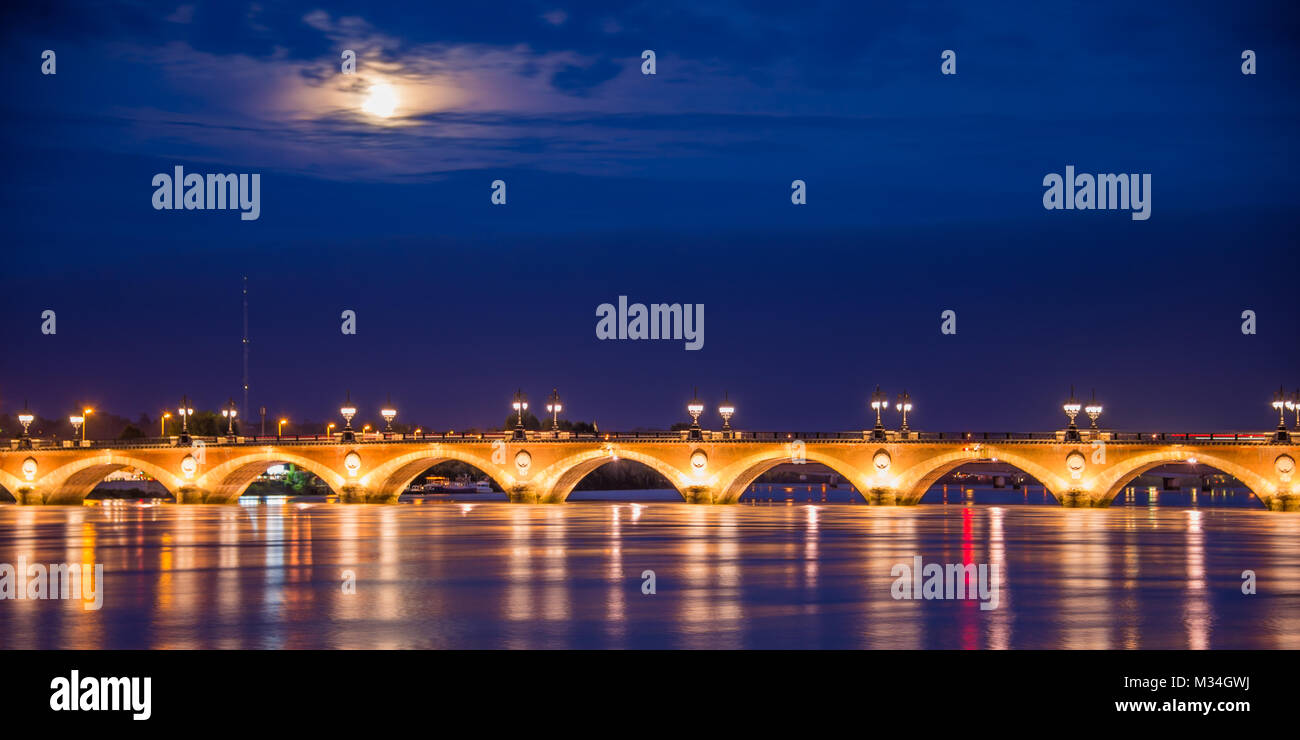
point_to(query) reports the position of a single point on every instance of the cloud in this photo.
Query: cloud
(182, 14)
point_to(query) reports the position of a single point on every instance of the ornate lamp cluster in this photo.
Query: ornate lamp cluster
(1283, 403)
(1073, 406)
(695, 408)
(880, 404)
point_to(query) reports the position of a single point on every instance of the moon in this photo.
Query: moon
(381, 101)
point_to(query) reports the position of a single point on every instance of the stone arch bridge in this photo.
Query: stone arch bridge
(714, 468)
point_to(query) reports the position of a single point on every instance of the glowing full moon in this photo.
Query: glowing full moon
(382, 100)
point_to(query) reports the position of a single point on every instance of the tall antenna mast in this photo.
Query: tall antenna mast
(246, 344)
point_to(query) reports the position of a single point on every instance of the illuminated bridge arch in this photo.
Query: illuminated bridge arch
(11, 483)
(72, 482)
(390, 478)
(736, 478)
(558, 480)
(1116, 478)
(913, 482)
(225, 483)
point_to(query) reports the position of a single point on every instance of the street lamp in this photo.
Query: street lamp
(185, 412)
(389, 413)
(162, 423)
(76, 422)
(85, 427)
(348, 411)
(904, 405)
(230, 412)
(695, 408)
(1093, 409)
(726, 410)
(1279, 403)
(879, 403)
(1071, 409)
(554, 407)
(25, 418)
(520, 405)
(279, 429)
(329, 429)
(1293, 403)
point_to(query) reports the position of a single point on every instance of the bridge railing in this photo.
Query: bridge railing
(892, 436)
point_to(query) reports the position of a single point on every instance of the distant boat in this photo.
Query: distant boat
(442, 484)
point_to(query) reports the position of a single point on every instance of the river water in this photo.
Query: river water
(303, 574)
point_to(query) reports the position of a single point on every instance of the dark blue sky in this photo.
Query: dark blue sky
(924, 194)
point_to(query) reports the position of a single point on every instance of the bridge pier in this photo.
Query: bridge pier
(364, 495)
(1282, 502)
(704, 495)
(195, 495)
(39, 497)
(28, 497)
(1079, 499)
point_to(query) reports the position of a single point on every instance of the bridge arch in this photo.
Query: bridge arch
(71, 482)
(395, 475)
(225, 483)
(913, 482)
(1116, 478)
(560, 478)
(738, 476)
(10, 483)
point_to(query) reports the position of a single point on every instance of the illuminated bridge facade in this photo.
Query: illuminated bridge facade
(707, 467)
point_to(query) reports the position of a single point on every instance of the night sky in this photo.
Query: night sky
(924, 194)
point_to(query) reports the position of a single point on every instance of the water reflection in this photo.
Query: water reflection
(495, 575)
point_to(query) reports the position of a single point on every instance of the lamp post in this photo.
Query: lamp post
(185, 412)
(554, 407)
(904, 405)
(279, 428)
(85, 427)
(389, 413)
(1071, 409)
(76, 422)
(230, 412)
(25, 418)
(695, 408)
(520, 405)
(347, 412)
(1279, 403)
(726, 411)
(879, 403)
(1293, 403)
(329, 430)
(162, 423)
(1093, 410)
